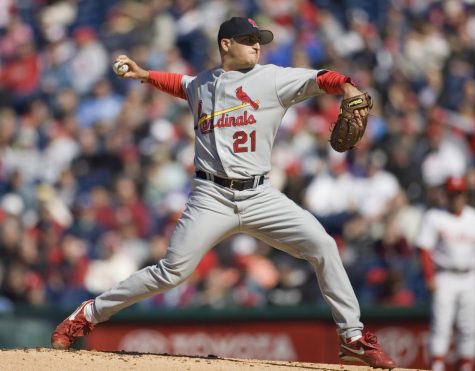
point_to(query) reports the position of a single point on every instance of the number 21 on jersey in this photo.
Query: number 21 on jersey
(244, 142)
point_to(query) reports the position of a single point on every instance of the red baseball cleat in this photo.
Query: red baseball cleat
(465, 364)
(367, 350)
(72, 328)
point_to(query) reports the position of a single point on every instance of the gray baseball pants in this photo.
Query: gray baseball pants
(213, 213)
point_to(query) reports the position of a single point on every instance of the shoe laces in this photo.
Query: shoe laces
(371, 339)
(79, 328)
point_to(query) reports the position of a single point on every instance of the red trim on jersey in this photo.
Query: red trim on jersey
(427, 264)
(168, 82)
(332, 82)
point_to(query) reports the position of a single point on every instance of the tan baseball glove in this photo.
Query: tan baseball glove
(350, 127)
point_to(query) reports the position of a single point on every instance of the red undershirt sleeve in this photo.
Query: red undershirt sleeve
(331, 82)
(168, 82)
(427, 264)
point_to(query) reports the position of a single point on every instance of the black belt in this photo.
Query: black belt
(237, 184)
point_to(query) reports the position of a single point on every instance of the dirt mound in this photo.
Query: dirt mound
(40, 359)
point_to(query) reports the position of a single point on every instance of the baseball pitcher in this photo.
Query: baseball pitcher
(237, 109)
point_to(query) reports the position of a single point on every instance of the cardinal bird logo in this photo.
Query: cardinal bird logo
(252, 21)
(243, 97)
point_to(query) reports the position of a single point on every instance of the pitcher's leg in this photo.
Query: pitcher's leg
(204, 223)
(279, 222)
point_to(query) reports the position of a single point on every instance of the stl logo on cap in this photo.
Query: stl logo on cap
(253, 22)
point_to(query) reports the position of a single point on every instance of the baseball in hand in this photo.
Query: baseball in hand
(120, 68)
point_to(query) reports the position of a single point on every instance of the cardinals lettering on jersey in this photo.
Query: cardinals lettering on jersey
(206, 121)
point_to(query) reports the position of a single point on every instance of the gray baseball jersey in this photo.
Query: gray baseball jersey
(237, 114)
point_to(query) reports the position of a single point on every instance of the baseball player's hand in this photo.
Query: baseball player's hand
(431, 286)
(351, 123)
(350, 91)
(135, 72)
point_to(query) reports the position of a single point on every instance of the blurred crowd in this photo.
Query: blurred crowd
(95, 170)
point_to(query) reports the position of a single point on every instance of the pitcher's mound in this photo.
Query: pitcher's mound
(43, 359)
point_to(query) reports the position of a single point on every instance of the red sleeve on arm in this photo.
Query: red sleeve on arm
(331, 82)
(168, 82)
(427, 264)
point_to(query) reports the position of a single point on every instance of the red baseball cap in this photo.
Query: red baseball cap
(84, 33)
(240, 26)
(456, 184)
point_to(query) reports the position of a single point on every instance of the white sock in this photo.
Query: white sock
(438, 365)
(353, 338)
(89, 313)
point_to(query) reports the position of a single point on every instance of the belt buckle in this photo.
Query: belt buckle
(231, 185)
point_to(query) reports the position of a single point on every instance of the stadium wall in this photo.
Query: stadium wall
(303, 333)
